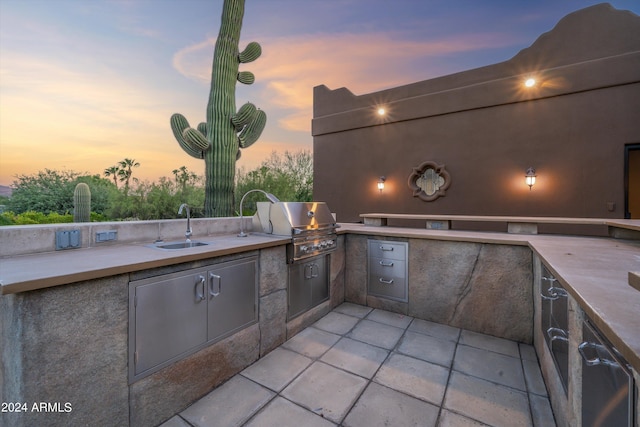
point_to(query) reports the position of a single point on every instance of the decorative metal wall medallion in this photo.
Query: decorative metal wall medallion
(429, 181)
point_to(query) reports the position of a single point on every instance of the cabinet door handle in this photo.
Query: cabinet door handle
(386, 248)
(311, 271)
(556, 334)
(199, 288)
(385, 281)
(386, 263)
(596, 360)
(214, 279)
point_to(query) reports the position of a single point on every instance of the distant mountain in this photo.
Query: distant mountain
(5, 191)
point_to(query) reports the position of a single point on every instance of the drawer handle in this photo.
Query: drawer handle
(554, 293)
(386, 248)
(386, 263)
(385, 281)
(596, 360)
(556, 334)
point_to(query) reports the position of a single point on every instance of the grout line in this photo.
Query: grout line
(446, 387)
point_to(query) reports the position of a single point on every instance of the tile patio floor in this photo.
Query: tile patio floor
(366, 367)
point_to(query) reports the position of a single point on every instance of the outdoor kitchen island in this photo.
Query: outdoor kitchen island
(64, 327)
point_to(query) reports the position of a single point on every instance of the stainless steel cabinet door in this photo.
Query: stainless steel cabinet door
(308, 285)
(319, 281)
(233, 297)
(170, 319)
(607, 384)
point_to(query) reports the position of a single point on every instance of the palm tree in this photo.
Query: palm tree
(125, 171)
(113, 171)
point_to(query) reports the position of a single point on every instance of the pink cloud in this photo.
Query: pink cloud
(290, 67)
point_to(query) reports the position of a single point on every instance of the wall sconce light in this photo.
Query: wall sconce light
(381, 183)
(530, 82)
(381, 111)
(530, 177)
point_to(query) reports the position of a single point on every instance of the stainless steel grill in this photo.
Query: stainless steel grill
(310, 224)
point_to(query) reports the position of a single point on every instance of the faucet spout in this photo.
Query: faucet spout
(188, 233)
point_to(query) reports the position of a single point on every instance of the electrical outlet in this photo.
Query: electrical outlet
(69, 239)
(106, 236)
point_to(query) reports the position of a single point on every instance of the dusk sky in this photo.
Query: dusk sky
(87, 83)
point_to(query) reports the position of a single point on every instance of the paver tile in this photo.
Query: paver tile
(311, 342)
(222, 407)
(487, 402)
(356, 357)
(325, 390)
(389, 318)
(377, 334)
(336, 323)
(382, 406)
(490, 366)
(414, 377)
(533, 376)
(541, 411)
(527, 352)
(491, 343)
(277, 369)
(434, 329)
(451, 419)
(425, 347)
(355, 310)
(282, 413)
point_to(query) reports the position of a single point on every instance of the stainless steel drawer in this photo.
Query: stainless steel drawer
(388, 287)
(387, 268)
(388, 250)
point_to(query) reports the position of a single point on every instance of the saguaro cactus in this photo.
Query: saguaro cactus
(218, 140)
(82, 203)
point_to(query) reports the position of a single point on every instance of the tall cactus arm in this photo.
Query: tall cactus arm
(250, 53)
(246, 77)
(195, 139)
(179, 126)
(244, 116)
(251, 132)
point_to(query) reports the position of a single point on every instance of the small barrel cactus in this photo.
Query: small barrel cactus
(82, 203)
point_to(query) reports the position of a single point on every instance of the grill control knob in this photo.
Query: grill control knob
(303, 248)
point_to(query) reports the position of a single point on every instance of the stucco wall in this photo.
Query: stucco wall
(487, 129)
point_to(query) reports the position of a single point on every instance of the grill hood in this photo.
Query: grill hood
(289, 218)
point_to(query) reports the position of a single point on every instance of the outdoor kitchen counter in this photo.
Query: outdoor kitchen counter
(595, 271)
(22, 273)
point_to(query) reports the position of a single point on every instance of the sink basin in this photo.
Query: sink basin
(178, 245)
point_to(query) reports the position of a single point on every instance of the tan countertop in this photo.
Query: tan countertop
(28, 272)
(629, 224)
(594, 270)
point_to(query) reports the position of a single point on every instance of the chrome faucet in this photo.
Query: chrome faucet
(272, 199)
(187, 235)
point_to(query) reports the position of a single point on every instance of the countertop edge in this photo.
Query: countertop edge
(152, 258)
